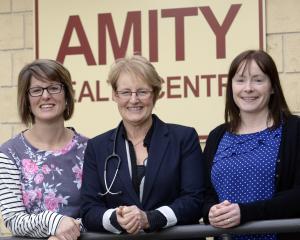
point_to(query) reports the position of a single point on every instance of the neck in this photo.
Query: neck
(49, 136)
(251, 123)
(137, 133)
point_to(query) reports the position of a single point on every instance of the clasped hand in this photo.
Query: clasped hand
(225, 215)
(132, 219)
(68, 229)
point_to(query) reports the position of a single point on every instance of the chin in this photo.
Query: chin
(135, 120)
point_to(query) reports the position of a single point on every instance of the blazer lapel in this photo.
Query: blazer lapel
(124, 170)
(158, 147)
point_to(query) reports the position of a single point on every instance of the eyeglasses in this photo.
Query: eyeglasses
(38, 91)
(141, 94)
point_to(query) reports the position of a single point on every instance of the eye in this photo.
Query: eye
(142, 92)
(124, 93)
(258, 80)
(35, 90)
(239, 80)
(54, 88)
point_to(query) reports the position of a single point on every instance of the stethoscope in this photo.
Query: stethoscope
(111, 156)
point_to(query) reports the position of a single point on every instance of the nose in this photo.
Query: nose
(248, 86)
(45, 93)
(134, 97)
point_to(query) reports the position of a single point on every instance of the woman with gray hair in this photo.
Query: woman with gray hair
(145, 174)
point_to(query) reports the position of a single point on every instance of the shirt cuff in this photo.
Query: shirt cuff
(54, 220)
(169, 214)
(106, 222)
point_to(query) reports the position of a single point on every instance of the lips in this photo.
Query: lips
(135, 108)
(249, 99)
(47, 106)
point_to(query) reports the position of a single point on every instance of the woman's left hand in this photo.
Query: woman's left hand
(225, 215)
(53, 238)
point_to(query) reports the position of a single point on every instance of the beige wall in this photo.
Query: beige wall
(17, 42)
(16, 49)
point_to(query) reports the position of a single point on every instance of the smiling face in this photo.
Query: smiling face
(134, 110)
(251, 89)
(47, 107)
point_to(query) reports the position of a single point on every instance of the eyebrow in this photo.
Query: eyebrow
(256, 75)
(50, 84)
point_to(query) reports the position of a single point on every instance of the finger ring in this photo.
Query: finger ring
(228, 220)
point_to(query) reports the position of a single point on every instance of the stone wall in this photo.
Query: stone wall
(17, 42)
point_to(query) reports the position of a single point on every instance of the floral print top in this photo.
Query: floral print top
(49, 181)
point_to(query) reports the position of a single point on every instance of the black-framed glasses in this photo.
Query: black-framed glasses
(52, 89)
(141, 94)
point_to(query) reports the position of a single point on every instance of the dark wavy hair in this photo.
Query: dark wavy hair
(278, 107)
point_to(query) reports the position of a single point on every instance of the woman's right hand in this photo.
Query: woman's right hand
(68, 229)
(225, 215)
(132, 219)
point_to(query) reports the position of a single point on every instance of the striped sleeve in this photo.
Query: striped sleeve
(16, 219)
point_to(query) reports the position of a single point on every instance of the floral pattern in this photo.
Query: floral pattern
(77, 170)
(50, 180)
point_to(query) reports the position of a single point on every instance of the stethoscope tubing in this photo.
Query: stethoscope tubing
(111, 156)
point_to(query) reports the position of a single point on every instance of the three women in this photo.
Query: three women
(146, 174)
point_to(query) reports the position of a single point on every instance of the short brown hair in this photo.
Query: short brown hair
(43, 69)
(278, 107)
(139, 67)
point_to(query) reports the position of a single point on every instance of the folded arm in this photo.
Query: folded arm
(16, 219)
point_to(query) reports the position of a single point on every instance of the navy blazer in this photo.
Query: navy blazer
(173, 176)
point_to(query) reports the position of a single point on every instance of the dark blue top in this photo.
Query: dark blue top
(243, 169)
(173, 178)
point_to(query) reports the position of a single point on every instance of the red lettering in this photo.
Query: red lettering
(153, 36)
(188, 84)
(86, 92)
(99, 98)
(179, 15)
(132, 30)
(221, 84)
(74, 24)
(208, 79)
(171, 86)
(105, 21)
(220, 31)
